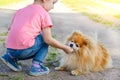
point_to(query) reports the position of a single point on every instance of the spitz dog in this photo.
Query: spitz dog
(89, 55)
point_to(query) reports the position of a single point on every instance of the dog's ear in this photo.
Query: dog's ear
(86, 42)
(69, 38)
(73, 34)
(77, 33)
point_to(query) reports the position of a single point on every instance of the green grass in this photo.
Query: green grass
(4, 34)
(99, 19)
(117, 16)
(102, 20)
(55, 76)
(19, 77)
(2, 40)
(3, 74)
(94, 10)
(113, 1)
(51, 57)
(52, 54)
(6, 2)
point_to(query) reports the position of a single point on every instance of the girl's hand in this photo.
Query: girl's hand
(68, 49)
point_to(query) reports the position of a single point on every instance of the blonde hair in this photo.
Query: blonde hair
(38, 0)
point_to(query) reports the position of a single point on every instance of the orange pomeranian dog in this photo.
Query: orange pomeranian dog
(89, 56)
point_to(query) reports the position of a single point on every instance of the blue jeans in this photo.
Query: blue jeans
(38, 51)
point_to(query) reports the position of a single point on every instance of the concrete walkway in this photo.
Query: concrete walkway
(65, 22)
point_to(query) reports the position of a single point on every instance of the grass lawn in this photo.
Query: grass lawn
(113, 1)
(101, 11)
(7, 2)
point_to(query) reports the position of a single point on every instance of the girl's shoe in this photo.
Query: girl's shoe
(11, 62)
(41, 70)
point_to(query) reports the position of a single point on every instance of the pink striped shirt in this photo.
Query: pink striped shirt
(27, 23)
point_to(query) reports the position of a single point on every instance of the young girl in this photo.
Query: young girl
(29, 37)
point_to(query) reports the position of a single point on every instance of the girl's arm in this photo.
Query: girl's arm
(53, 42)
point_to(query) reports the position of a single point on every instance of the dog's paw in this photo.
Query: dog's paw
(74, 72)
(60, 68)
(57, 68)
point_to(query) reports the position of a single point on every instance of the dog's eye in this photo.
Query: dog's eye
(72, 41)
(77, 45)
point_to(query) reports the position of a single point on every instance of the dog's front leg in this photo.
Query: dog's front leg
(60, 68)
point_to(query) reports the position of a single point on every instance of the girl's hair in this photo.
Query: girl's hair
(37, 0)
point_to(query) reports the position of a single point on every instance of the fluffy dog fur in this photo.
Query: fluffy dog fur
(89, 56)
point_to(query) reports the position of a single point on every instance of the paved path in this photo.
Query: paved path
(65, 22)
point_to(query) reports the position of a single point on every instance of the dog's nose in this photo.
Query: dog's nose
(71, 45)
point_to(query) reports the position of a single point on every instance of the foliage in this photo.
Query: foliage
(113, 1)
(4, 34)
(19, 77)
(97, 10)
(6, 2)
(51, 54)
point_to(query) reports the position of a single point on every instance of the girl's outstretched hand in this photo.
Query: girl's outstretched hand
(68, 49)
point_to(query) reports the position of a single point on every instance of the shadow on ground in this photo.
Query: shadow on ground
(64, 25)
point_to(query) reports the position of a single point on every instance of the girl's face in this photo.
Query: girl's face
(49, 4)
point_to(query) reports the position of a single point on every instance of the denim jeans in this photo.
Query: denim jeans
(37, 52)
